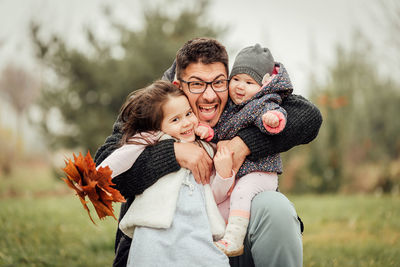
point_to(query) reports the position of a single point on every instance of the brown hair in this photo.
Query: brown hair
(201, 50)
(142, 111)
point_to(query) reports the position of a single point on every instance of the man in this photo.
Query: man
(274, 236)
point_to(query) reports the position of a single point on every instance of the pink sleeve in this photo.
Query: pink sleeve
(221, 187)
(122, 159)
(282, 122)
(210, 132)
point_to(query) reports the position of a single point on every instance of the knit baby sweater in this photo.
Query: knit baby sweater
(237, 117)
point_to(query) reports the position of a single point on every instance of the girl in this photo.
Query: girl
(257, 86)
(172, 221)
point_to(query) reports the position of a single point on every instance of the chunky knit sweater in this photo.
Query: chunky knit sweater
(302, 126)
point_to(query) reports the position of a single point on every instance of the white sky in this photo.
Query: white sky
(301, 34)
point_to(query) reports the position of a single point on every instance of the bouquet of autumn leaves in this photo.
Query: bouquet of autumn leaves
(83, 177)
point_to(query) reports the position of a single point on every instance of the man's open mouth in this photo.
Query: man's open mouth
(208, 109)
(208, 112)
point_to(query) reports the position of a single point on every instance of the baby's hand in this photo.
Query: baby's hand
(270, 119)
(223, 162)
(202, 131)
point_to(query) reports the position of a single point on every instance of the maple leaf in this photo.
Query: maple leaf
(83, 177)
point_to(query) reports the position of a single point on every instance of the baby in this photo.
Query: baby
(257, 87)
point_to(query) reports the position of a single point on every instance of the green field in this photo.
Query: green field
(42, 223)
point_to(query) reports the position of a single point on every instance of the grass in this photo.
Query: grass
(53, 231)
(362, 230)
(42, 223)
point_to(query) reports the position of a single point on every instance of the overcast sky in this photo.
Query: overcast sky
(301, 34)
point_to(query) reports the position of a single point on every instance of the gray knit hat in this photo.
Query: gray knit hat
(254, 61)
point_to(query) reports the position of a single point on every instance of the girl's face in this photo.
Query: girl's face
(179, 120)
(242, 87)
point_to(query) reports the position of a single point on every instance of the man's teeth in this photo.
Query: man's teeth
(208, 108)
(187, 132)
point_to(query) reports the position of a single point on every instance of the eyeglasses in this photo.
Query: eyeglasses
(198, 87)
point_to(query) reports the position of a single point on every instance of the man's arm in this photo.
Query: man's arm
(153, 163)
(111, 143)
(302, 126)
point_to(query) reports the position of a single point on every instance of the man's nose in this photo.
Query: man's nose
(209, 93)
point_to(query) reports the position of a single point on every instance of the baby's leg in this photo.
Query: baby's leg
(248, 187)
(245, 190)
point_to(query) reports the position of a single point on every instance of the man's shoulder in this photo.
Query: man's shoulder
(298, 103)
(295, 98)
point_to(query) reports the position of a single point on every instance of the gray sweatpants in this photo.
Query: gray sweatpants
(273, 237)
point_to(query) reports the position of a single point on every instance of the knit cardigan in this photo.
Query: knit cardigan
(302, 126)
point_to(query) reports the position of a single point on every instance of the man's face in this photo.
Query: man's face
(207, 106)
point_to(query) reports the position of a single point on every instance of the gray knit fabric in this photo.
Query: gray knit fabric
(255, 61)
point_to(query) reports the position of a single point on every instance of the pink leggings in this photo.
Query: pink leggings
(248, 187)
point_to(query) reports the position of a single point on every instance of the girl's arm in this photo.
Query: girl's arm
(153, 163)
(223, 181)
(122, 158)
(222, 187)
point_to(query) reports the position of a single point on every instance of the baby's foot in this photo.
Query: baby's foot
(231, 249)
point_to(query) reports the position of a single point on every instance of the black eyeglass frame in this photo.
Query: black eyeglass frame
(207, 83)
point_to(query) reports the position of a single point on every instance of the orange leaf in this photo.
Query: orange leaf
(83, 177)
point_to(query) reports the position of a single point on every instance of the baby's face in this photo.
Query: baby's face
(242, 87)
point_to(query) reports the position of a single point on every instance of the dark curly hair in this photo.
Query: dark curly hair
(203, 50)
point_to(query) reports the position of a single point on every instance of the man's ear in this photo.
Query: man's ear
(177, 83)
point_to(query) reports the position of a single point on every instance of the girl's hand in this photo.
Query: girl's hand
(223, 162)
(270, 119)
(239, 148)
(202, 131)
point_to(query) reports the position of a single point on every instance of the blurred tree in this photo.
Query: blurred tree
(80, 109)
(360, 127)
(21, 88)
(386, 15)
(8, 151)
(358, 147)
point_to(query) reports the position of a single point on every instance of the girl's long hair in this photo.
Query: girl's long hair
(142, 111)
